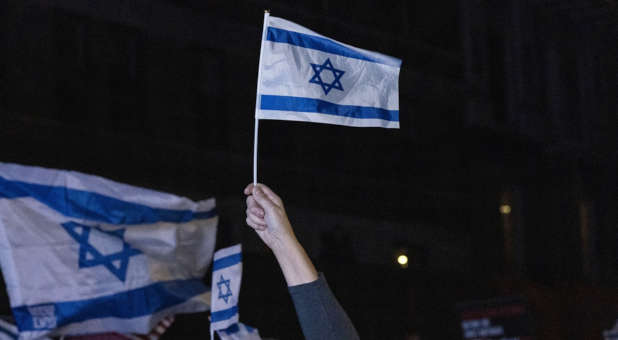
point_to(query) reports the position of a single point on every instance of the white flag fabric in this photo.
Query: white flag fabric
(239, 331)
(304, 76)
(83, 254)
(226, 278)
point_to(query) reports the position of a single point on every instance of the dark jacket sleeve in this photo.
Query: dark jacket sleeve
(319, 314)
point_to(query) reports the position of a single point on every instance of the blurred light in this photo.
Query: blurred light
(505, 209)
(402, 260)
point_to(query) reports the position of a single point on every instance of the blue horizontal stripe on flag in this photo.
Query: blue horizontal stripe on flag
(96, 207)
(325, 45)
(127, 304)
(227, 261)
(223, 314)
(301, 104)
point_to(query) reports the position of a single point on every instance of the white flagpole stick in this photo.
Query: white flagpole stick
(257, 99)
(255, 149)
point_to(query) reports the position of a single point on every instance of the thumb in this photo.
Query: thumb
(262, 199)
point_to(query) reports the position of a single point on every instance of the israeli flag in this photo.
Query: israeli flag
(239, 331)
(304, 76)
(226, 277)
(83, 254)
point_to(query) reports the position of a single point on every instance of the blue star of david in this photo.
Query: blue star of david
(317, 79)
(89, 256)
(223, 282)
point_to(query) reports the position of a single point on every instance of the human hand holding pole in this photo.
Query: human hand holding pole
(266, 215)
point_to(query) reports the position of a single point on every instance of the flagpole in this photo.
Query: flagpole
(257, 99)
(255, 149)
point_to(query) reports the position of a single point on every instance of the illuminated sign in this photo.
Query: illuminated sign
(501, 319)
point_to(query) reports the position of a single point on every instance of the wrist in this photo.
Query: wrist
(296, 266)
(285, 246)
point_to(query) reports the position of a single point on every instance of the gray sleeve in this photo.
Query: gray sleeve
(319, 313)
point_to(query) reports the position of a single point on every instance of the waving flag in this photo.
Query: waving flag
(226, 277)
(83, 254)
(304, 76)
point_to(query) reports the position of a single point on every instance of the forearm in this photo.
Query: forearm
(296, 266)
(319, 314)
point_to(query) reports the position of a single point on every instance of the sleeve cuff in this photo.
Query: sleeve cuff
(313, 285)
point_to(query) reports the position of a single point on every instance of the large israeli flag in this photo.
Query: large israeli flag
(304, 76)
(83, 254)
(226, 279)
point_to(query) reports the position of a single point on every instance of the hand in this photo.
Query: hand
(266, 215)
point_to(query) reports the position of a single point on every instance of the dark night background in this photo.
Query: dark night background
(508, 102)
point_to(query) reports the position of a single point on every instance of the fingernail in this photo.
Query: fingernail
(257, 191)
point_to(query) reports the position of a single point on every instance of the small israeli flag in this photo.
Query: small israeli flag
(226, 277)
(239, 331)
(304, 76)
(81, 254)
